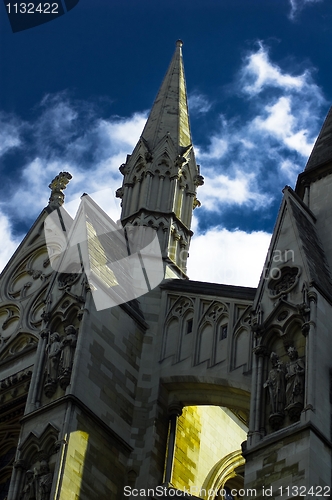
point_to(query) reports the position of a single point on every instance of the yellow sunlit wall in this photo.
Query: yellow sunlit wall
(205, 434)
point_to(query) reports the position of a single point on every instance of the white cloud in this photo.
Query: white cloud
(259, 72)
(217, 148)
(229, 257)
(219, 190)
(9, 241)
(290, 169)
(9, 134)
(124, 132)
(281, 124)
(106, 143)
(198, 103)
(245, 159)
(298, 5)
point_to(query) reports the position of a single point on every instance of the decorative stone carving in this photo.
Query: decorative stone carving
(29, 275)
(43, 481)
(122, 168)
(260, 350)
(9, 322)
(215, 311)
(119, 192)
(295, 384)
(179, 161)
(68, 346)
(276, 385)
(182, 305)
(14, 379)
(46, 314)
(38, 483)
(286, 279)
(25, 288)
(196, 203)
(17, 344)
(29, 490)
(148, 157)
(52, 365)
(36, 274)
(57, 186)
(46, 262)
(67, 279)
(282, 315)
(199, 180)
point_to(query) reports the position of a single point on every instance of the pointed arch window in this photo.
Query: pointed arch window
(189, 326)
(223, 332)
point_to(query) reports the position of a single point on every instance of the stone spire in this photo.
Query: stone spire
(161, 175)
(169, 114)
(322, 151)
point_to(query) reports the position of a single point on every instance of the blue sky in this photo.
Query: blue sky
(75, 93)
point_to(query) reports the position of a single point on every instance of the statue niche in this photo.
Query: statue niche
(53, 350)
(295, 384)
(276, 385)
(68, 346)
(60, 356)
(29, 490)
(38, 483)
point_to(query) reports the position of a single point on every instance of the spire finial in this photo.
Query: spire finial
(169, 113)
(57, 186)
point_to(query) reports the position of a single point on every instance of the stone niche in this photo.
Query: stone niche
(34, 470)
(284, 382)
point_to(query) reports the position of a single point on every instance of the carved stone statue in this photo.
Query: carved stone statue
(295, 384)
(276, 386)
(43, 480)
(52, 365)
(29, 490)
(68, 346)
(54, 351)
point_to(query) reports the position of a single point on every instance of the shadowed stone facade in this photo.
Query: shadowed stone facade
(160, 391)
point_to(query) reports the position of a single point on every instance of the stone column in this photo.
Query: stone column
(160, 190)
(37, 375)
(126, 199)
(310, 333)
(173, 192)
(260, 352)
(16, 482)
(174, 411)
(189, 204)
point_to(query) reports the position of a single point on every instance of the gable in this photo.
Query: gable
(295, 256)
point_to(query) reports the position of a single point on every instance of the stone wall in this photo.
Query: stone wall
(205, 435)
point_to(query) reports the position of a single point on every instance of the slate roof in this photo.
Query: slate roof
(204, 288)
(315, 257)
(322, 151)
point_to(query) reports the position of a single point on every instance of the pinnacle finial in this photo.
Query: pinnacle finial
(57, 186)
(179, 43)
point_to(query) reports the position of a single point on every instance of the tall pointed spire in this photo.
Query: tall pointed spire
(322, 151)
(169, 114)
(161, 175)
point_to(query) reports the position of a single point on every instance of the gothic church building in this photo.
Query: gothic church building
(211, 389)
